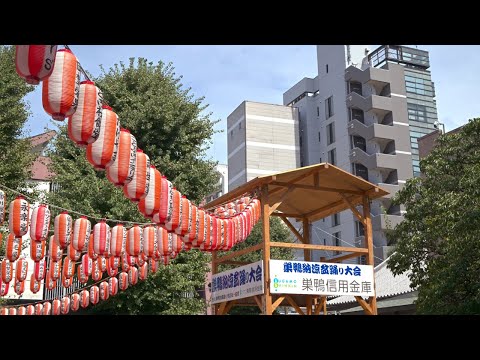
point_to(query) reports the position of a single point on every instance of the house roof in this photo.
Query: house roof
(311, 192)
(386, 285)
(42, 138)
(40, 169)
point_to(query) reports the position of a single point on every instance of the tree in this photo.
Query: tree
(278, 232)
(438, 239)
(15, 156)
(171, 127)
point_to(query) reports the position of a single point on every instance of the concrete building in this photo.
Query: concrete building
(222, 185)
(262, 139)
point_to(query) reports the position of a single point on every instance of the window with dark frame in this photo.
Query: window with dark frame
(335, 219)
(332, 155)
(329, 107)
(336, 240)
(330, 133)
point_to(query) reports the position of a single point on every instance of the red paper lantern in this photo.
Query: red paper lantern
(166, 202)
(153, 265)
(65, 305)
(68, 268)
(21, 310)
(39, 270)
(19, 287)
(2, 206)
(67, 282)
(101, 238)
(104, 292)
(81, 276)
(203, 229)
(37, 250)
(150, 204)
(164, 242)
(140, 260)
(75, 302)
(194, 223)
(87, 264)
(7, 271)
(12, 311)
(14, 247)
(134, 241)
(143, 271)
(81, 233)
(73, 254)
(34, 284)
(40, 223)
(39, 309)
(84, 298)
(55, 252)
(138, 188)
(164, 260)
(96, 271)
(4, 311)
(50, 283)
(102, 263)
(19, 216)
(91, 253)
(113, 286)
(60, 91)
(63, 229)
(47, 308)
(103, 152)
(210, 224)
(84, 124)
(30, 310)
(4, 287)
(56, 307)
(150, 243)
(35, 63)
(122, 170)
(94, 295)
(123, 281)
(133, 275)
(185, 222)
(174, 220)
(55, 269)
(118, 240)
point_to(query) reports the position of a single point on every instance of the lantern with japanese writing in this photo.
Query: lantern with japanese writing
(34, 284)
(56, 304)
(103, 151)
(4, 286)
(164, 242)
(150, 243)
(101, 238)
(113, 286)
(4, 311)
(55, 269)
(150, 204)
(67, 282)
(112, 266)
(166, 202)
(39, 270)
(193, 229)
(94, 295)
(91, 253)
(47, 308)
(118, 240)
(122, 170)
(68, 267)
(14, 247)
(123, 281)
(74, 302)
(102, 263)
(81, 276)
(35, 63)
(164, 260)
(185, 221)
(21, 310)
(39, 309)
(104, 293)
(2, 206)
(176, 244)
(143, 271)
(19, 287)
(84, 124)
(202, 229)
(133, 275)
(50, 283)
(12, 311)
(210, 241)
(19, 216)
(134, 241)
(153, 266)
(81, 233)
(37, 250)
(30, 310)
(73, 254)
(138, 188)
(140, 259)
(63, 229)
(7, 270)
(60, 90)
(40, 223)
(87, 264)
(55, 252)
(174, 220)
(65, 305)
(84, 298)
(96, 271)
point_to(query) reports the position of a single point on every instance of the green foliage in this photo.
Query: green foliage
(171, 128)
(278, 232)
(438, 240)
(15, 156)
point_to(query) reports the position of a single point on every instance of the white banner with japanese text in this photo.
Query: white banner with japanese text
(241, 282)
(316, 278)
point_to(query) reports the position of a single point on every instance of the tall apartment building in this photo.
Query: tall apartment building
(262, 139)
(221, 187)
(365, 118)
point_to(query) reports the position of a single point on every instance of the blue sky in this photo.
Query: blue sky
(228, 74)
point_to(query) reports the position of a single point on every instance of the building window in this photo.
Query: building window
(330, 133)
(319, 137)
(357, 114)
(318, 111)
(300, 141)
(335, 219)
(417, 112)
(231, 133)
(329, 107)
(332, 157)
(359, 229)
(336, 240)
(326, 68)
(240, 125)
(418, 86)
(320, 161)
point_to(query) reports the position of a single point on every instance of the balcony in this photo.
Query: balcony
(373, 104)
(384, 222)
(373, 161)
(378, 78)
(391, 188)
(372, 132)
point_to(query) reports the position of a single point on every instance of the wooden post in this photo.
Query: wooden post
(267, 297)
(369, 242)
(214, 271)
(307, 257)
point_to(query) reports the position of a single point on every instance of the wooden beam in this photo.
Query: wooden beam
(318, 188)
(292, 228)
(354, 210)
(232, 262)
(319, 247)
(328, 207)
(277, 302)
(282, 199)
(221, 309)
(307, 257)
(290, 215)
(316, 179)
(258, 301)
(365, 306)
(267, 297)
(319, 306)
(369, 241)
(343, 257)
(238, 253)
(325, 306)
(294, 305)
(228, 307)
(307, 174)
